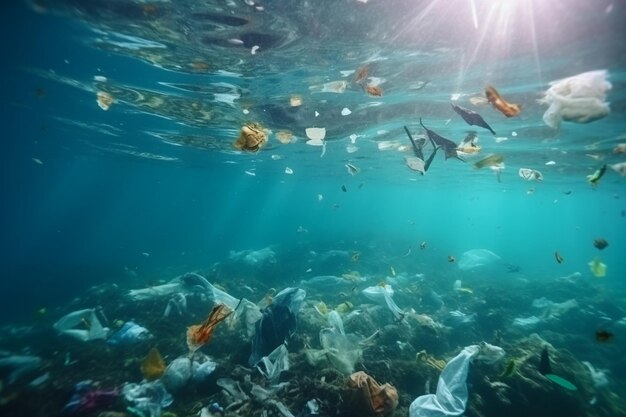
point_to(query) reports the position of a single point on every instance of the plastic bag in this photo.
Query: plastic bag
(129, 334)
(476, 258)
(275, 363)
(382, 294)
(579, 99)
(451, 396)
(183, 371)
(147, 399)
(82, 325)
(277, 324)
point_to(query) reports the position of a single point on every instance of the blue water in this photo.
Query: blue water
(90, 214)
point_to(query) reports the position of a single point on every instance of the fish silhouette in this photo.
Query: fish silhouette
(447, 145)
(471, 117)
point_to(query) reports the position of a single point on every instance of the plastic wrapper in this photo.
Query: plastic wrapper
(83, 325)
(579, 99)
(382, 294)
(129, 334)
(476, 258)
(146, 399)
(451, 396)
(183, 371)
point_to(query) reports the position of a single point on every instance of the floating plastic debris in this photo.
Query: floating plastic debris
(353, 138)
(620, 168)
(37, 161)
(530, 174)
(284, 136)
(352, 170)
(597, 267)
(489, 160)
(100, 78)
(351, 148)
(288, 171)
(345, 111)
(550, 163)
(104, 100)
(295, 101)
(504, 107)
(254, 49)
(579, 99)
(416, 164)
(83, 325)
(594, 179)
(620, 148)
(252, 138)
(129, 334)
(316, 135)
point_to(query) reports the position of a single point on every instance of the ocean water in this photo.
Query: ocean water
(153, 187)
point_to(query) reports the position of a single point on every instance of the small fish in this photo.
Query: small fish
(600, 243)
(344, 189)
(558, 257)
(472, 118)
(507, 109)
(594, 179)
(37, 161)
(451, 258)
(603, 336)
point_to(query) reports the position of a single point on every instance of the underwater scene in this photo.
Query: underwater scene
(297, 208)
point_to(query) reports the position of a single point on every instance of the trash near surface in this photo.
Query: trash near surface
(451, 396)
(530, 174)
(579, 99)
(316, 135)
(83, 325)
(186, 370)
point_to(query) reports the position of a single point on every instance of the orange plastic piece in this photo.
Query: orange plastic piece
(506, 108)
(200, 334)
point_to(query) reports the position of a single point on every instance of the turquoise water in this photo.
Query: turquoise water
(153, 187)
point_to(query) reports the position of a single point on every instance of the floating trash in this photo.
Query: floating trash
(352, 170)
(620, 148)
(104, 99)
(504, 107)
(373, 90)
(620, 168)
(600, 243)
(316, 135)
(351, 148)
(558, 257)
(530, 174)
(295, 101)
(489, 160)
(288, 171)
(153, 366)
(594, 179)
(597, 267)
(284, 136)
(578, 99)
(346, 111)
(416, 164)
(252, 138)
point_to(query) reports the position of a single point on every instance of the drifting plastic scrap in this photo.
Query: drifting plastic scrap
(579, 99)
(19, 365)
(477, 257)
(382, 294)
(277, 324)
(185, 370)
(147, 399)
(86, 397)
(129, 334)
(452, 395)
(86, 318)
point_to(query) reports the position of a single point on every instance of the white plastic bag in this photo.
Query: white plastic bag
(451, 396)
(82, 325)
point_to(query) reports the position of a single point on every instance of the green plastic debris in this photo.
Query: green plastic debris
(562, 382)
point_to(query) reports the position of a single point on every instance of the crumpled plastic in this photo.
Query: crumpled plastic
(475, 258)
(274, 363)
(83, 325)
(87, 397)
(18, 366)
(382, 294)
(147, 399)
(277, 324)
(374, 399)
(451, 396)
(339, 350)
(129, 334)
(579, 99)
(185, 370)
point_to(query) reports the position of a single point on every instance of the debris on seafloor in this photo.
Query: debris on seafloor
(371, 398)
(153, 365)
(504, 107)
